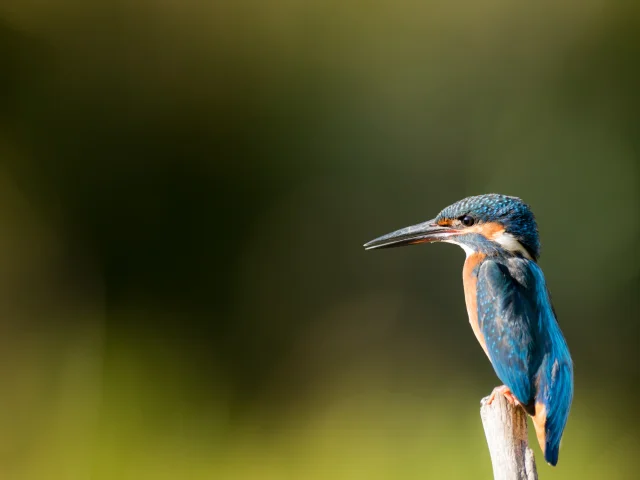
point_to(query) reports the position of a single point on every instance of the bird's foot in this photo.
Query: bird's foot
(504, 391)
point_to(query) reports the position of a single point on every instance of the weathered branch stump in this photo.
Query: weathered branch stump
(505, 426)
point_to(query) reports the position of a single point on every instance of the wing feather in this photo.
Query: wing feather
(508, 318)
(525, 344)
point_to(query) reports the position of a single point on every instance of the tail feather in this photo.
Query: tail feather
(539, 420)
(552, 408)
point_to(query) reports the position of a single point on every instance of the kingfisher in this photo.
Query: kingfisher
(508, 304)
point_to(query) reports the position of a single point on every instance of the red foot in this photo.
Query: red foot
(503, 390)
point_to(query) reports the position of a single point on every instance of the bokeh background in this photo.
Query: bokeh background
(185, 188)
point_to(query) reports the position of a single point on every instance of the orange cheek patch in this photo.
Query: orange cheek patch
(490, 230)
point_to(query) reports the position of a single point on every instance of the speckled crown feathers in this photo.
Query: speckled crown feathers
(511, 212)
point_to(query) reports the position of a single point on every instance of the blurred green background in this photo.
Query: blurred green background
(185, 188)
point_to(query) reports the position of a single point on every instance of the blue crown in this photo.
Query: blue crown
(512, 213)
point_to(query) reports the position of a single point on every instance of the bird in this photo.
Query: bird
(508, 304)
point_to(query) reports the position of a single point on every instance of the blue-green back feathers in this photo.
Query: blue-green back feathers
(555, 380)
(508, 322)
(524, 341)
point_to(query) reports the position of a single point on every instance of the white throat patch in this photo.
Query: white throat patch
(509, 242)
(467, 250)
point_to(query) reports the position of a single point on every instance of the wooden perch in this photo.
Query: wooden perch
(506, 429)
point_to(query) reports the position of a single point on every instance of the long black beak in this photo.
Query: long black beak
(421, 233)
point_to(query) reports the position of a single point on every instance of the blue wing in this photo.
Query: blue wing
(507, 317)
(525, 344)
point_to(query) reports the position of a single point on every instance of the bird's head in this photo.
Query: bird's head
(489, 223)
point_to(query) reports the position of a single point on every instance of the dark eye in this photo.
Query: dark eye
(467, 221)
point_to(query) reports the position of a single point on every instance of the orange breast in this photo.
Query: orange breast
(470, 282)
